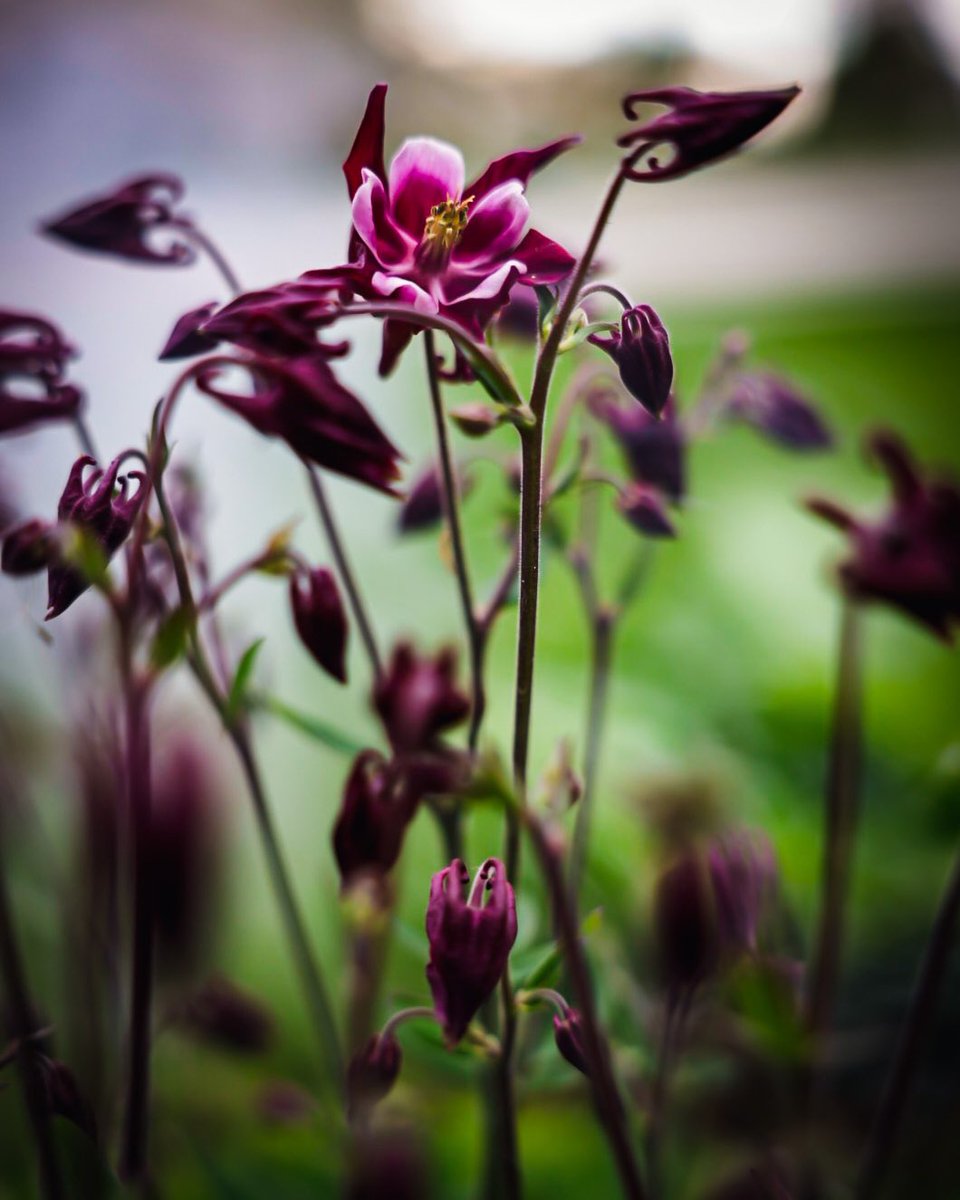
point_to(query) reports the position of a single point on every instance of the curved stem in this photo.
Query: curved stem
(344, 570)
(594, 289)
(452, 513)
(896, 1092)
(408, 1014)
(212, 251)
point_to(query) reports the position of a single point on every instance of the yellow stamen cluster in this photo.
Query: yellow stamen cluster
(446, 223)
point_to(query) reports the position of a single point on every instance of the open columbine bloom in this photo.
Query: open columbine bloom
(424, 236)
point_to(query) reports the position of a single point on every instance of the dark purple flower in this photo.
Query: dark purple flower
(281, 320)
(122, 222)
(101, 505)
(641, 350)
(910, 556)
(224, 1015)
(301, 401)
(423, 507)
(775, 408)
(33, 358)
(187, 339)
(699, 128)
(743, 876)
(28, 548)
(417, 698)
(423, 236)
(655, 450)
(470, 940)
(378, 805)
(320, 618)
(568, 1034)
(644, 507)
(372, 1072)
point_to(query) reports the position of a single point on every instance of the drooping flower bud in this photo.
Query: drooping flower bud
(655, 450)
(28, 548)
(378, 805)
(644, 507)
(187, 339)
(685, 924)
(321, 619)
(470, 937)
(641, 350)
(417, 698)
(776, 409)
(475, 420)
(224, 1015)
(568, 1034)
(909, 557)
(423, 507)
(281, 320)
(33, 358)
(100, 505)
(700, 128)
(123, 221)
(301, 401)
(372, 1072)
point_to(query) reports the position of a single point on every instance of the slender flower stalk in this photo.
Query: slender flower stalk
(212, 251)
(896, 1092)
(344, 570)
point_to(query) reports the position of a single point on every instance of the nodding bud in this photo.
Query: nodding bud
(33, 358)
(568, 1034)
(187, 338)
(28, 548)
(655, 450)
(641, 350)
(475, 420)
(417, 698)
(470, 938)
(646, 510)
(424, 505)
(378, 805)
(122, 222)
(321, 619)
(223, 1015)
(908, 557)
(372, 1072)
(776, 409)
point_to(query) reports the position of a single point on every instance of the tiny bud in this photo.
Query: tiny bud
(223, 1015)
(321, 621)
(28, 548)
(423, 507)
(568, 1034)
(643, 506)
(372, 1073)
(475, 420)
(641, 350)
(187, 340)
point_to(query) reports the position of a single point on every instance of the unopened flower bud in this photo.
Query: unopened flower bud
(372, 1073)
(775, 408)
(320, 618)
(645, 509)
(28, 548)
(568, 1034)
(423, 507)
(475, 420)
(187, 339)
(641, 350)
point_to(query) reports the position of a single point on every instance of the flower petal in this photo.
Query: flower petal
(521, 164)
(404, 290)
(544, 261)
(494, 225)
(367, 149)
(423, 172)
(373, 222)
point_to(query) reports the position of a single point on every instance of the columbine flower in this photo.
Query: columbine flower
(909, 557)
(423, 236)
(655, 450)
(320, 619)
(775, 408)
(301, 401)
(187, 338)
(281, 320)
(423, 507)
(568, 1034)
(641, 350)
(470, 940)
(122, 222)
(699, 128)
(417, 698)
(101, 505)
(378, 805)
(33, 358)
(372, 1072)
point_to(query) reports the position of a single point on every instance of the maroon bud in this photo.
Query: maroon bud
(470, 940)
(33, 358)
(281, 320)
(122, 222)
(685, 924)
(909, 557)
(568, 1034)
(641, 350)
(644, 507)
(378, 805)
(475, 420)
(320, 618)
(699, 128)
(301, 401)
(225, 1016)
(417, 698)
(655, 450)
(28, 548)
(102, 505)
(423, 507)
(371, 1074)
(773, 407)
(187, 339)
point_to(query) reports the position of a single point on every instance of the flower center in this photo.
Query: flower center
(442, 231)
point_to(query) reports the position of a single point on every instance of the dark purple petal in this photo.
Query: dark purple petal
(397, 335)
(645, 509)
(699, 128)
(321, 619)
(641, 350)
(544, 261)
(378, 805)
(28, 548)
(187, 339)
(281, 320)
(121, 221)
(372, 1072)
(520, 164)
(568, 1034)
(423, 507)
(772, 406)
(655, 450)
(366, 153)
(495, 225)
(417, 698)
(18, 414)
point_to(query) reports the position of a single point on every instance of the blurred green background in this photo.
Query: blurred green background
(837, 251)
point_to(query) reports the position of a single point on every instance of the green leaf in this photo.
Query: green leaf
(319, 730)
(172, 637)
(546, 303)
(237, 699)
(575, 336)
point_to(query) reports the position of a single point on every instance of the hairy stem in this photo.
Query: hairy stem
(896, 1092)
(344, 570)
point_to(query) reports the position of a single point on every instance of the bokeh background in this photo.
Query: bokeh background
(834, 244)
